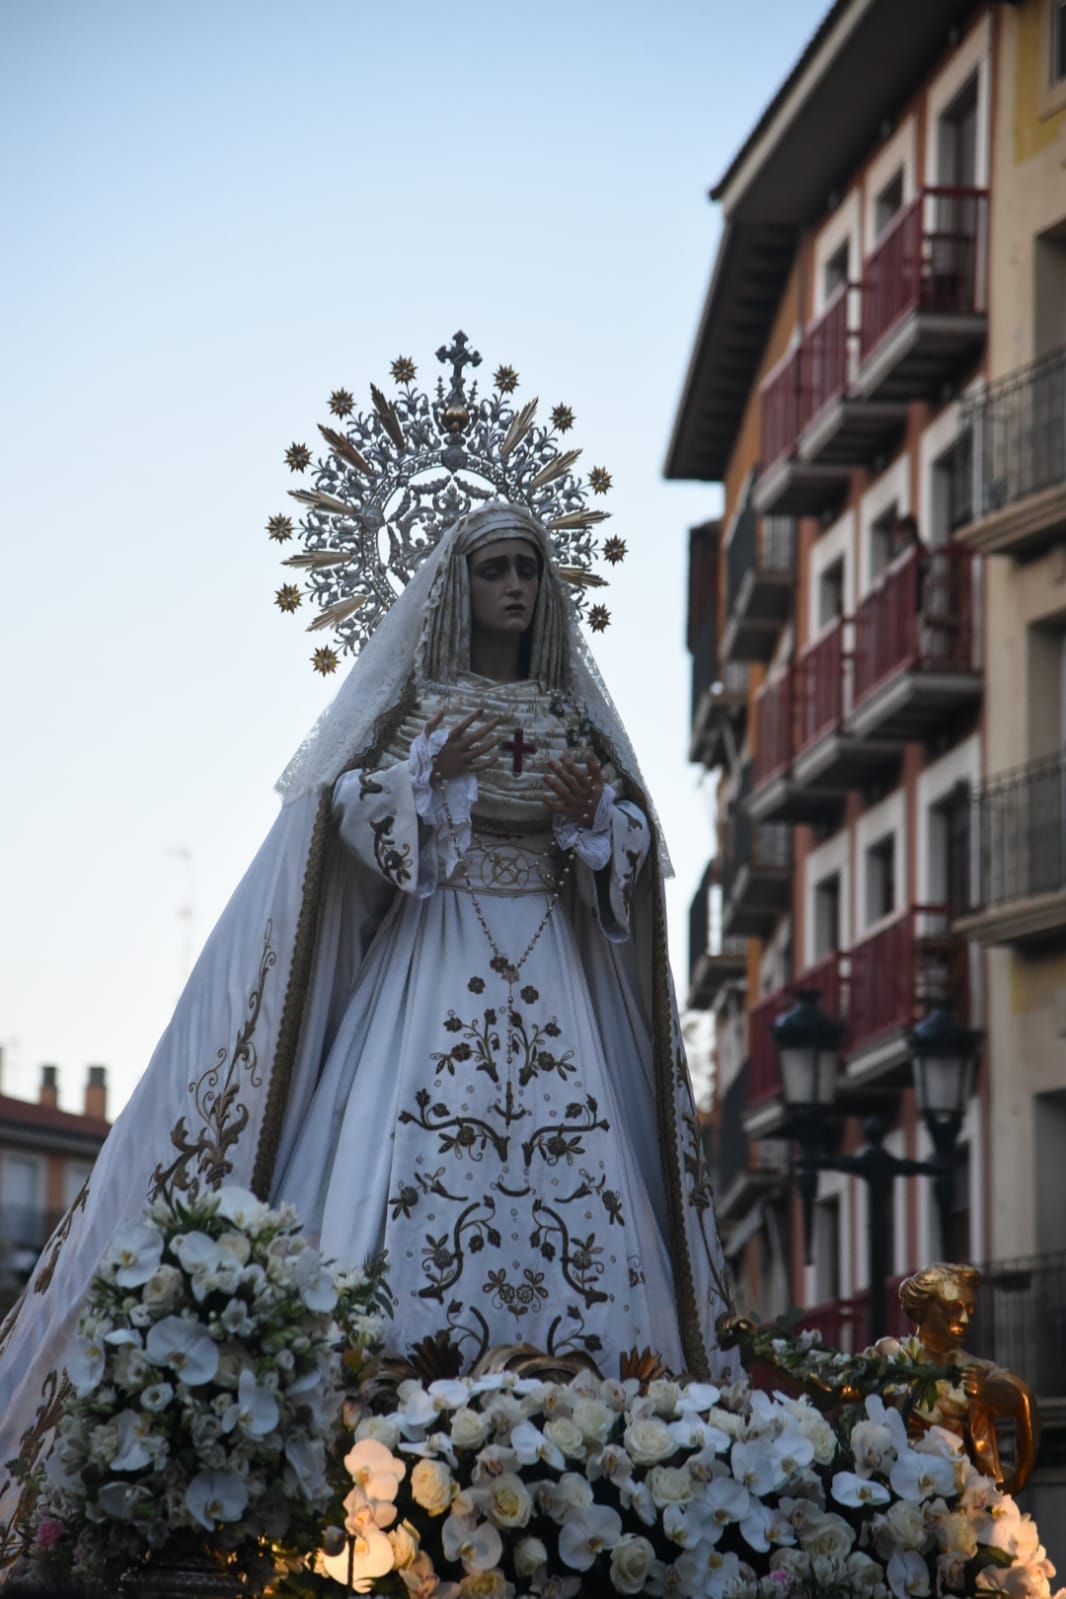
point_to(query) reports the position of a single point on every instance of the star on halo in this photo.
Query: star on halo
(614, 550)
(341, 402)
(600, 480)
(562, 418)
(324, 660)
(280, 528)
(288, 597)
(506, 379)
(403, 369)
(298, 457)
(599, 618)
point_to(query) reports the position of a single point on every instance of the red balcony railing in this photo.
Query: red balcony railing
(764, 1076)
(901, 972)
(845, 1323)
(820, 674)
(931, 258)
(773, 715)
(782, 406)
(919, 618)
(825, 356)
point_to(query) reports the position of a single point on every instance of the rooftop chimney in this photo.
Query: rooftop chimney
(49, 1086)
(96, 1093)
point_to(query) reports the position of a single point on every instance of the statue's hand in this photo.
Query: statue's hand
(467, 749)
(577, 793)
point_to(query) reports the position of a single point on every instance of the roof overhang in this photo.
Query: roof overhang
(858, 71)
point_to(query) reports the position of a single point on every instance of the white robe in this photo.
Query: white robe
(518, 1200)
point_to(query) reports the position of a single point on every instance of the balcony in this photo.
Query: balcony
(815, 428)
(765, 1114)
(787, 485)
(1019, 821)
(924, 310)
(1016, 497)
(896, 975)
(719, 702)
(760, 559)
(780, 710)
(845, 1323)
(830, 758)
(742, 1170)
(916, 661)
(756, 870)
(710, 969)
(1021, 1320)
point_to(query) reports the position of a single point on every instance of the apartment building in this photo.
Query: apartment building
(878, 630)
(46, 1155)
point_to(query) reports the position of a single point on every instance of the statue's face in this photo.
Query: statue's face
(949, 1314)
(504, 579)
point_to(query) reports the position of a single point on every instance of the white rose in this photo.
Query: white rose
(486, 1585)
(818, 1433)
(826, 1536)
(664, 1396)
(631, 1560)
(649, 1440)
(529, 1554)
(163, 1290)
(384, 1429)
(432, 1486)
(469, 1429)
(595, 1420)
(670, 1485)
(508, 1503)
(901, 1527)
(571, 1492)
(725, 1421)
(566, 1435)
(505, 1412)
(235, 1244)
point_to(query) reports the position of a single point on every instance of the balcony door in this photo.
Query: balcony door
(953, 243)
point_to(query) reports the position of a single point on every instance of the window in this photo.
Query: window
(831, 593)
(836, 270)
(1058, 41)
(951, 499)
(827, 1249)
(1050, 284)
(20, 1199)
(957, 140)
(958, 1240)
(827, 916)
(882, 539)
(949, 851)
(888, 202)
(880, 880)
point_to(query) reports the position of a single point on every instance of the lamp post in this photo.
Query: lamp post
(808, 1044)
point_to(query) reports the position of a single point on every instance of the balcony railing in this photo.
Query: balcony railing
(704, 661)
(1018, 429)
(821, 673)
(773, 723)
(829, 977)
(897, 975)
(758, 545)
(782, 407)
(734, 1151)
(826, 359)
(845, 1323)
(1020, 823)
(1021, 1320)
(932, 258)
(920, 617)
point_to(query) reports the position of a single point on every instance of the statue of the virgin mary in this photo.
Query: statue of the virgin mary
(436, 1016)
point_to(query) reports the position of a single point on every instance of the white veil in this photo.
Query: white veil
(384, 666)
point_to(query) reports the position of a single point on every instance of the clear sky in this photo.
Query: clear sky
(215, 212)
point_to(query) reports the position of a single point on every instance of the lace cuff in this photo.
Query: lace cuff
(593, 843)
(429, 803)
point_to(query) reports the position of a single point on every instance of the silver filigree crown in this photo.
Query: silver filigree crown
(399, 475)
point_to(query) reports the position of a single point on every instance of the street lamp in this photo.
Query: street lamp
(945, 1059)
(808, 1045)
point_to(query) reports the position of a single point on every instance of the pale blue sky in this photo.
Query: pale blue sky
(214, 214)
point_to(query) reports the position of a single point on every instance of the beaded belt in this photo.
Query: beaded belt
(509, 864)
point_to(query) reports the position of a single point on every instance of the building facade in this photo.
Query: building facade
(46, 1155)
(878, 630)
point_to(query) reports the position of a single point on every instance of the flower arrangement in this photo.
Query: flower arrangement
(499, 1485)
(207, 1385)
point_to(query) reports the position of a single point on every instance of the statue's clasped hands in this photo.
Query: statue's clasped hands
(575, 794)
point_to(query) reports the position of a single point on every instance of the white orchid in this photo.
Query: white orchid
(200, 1259)
(132, 1452)
(86, 1361)
(530, 1444)
(254, 1411)
(915, 1476)
(242, 1208)
(586, 1533)
(708, 1570)
(476, 1545)
(134, 1253)
(121, 1500)
(214, 1496)
(186, 1347)
(908, 1574)
(848, 1488)
(375, 1469)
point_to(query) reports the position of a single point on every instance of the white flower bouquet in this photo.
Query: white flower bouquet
(206, 1386)
(497, 1486)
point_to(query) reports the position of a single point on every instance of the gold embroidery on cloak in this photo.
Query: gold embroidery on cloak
(43, 1279)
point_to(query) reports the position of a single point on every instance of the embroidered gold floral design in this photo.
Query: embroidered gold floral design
(394, 860)
(16, 1535)
(564, 1141)
(518, 1298)
(578, 1257)
(442, 1258)
(215, 1094)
